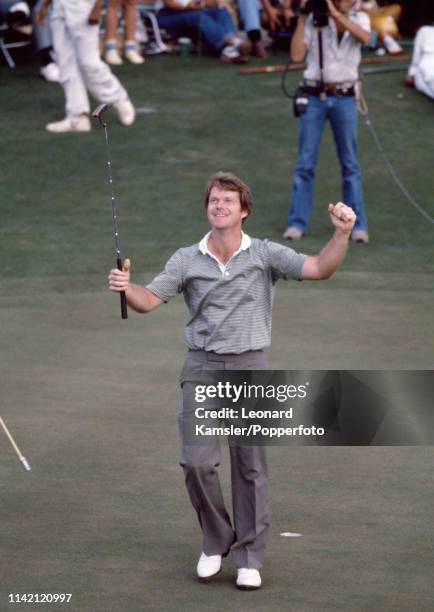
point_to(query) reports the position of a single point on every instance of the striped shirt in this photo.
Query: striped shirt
(230, 305)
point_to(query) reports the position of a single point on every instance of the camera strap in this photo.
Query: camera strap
(323, 94)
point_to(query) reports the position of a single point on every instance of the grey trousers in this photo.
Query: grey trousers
(246, 538)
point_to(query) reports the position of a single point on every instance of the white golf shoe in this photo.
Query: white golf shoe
(248, 579)
(208, 567)
(80, 123)
(51, 72)
(126, 111)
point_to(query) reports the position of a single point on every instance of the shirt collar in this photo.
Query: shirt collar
(246, 241)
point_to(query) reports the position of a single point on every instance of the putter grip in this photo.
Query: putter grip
(124, 311)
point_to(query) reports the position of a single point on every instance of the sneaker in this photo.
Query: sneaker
(126, 111)
(208, 567)
(248, 579)
(292, 233)
(231, 54)
(131, 54)
(51, 72)
(78, 123)
(392, 47)
(112, 57)
(19, 19)
(153, 48)
(360, 236)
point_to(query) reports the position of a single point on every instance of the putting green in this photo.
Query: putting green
(92, 402)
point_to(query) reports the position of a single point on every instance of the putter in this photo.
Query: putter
(23, 460)
(98, 113)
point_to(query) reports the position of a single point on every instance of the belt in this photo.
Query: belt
(315, 88)
(211, 355)
(337, 91)
(341, 85)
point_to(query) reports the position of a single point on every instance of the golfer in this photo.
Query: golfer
(227, 280)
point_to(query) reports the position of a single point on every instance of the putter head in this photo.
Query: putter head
(98, 113)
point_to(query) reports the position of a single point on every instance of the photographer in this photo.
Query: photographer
(331, 34)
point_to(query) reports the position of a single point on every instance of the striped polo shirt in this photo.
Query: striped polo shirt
(230, 305)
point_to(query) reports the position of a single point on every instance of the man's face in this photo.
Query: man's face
(224, 209)
(343, 6)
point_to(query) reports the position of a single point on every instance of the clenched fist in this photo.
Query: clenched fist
(119, 280)
(342, 216)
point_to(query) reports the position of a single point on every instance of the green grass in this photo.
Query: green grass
(56, 209)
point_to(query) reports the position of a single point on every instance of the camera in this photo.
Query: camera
(320, 12)
(300, 102)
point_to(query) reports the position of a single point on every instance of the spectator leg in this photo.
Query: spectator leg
(215, 25)
(130, 17)
(112, 19)
(343, 119)
(311, 128)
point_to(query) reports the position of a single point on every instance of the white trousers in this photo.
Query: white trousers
(422, 65)
(77, 53)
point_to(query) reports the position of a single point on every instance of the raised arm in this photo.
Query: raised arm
(325, 264)
(298, 46)
(358, 32)
(139, 298)
(95, 13)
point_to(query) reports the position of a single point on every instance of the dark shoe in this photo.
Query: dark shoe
(258, 50)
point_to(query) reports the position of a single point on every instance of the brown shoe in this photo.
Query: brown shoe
(258, 50)
(245, 48)
(292, 233)
(360, 236)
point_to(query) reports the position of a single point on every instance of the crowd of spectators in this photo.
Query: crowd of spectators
(230, 29)
(73, 37)
(233, 30)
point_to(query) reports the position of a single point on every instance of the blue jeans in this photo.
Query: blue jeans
(214, 24)
(250, 12)
(342, 113)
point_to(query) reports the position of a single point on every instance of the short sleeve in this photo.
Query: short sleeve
(169, 282)
(308, 32)
(362, 19)
(285, 263)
